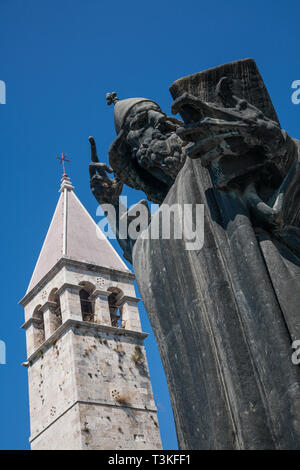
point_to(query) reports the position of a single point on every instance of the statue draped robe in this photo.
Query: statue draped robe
(233, 307)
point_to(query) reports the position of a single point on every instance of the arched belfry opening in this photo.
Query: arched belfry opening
(87, 305)
(115, 309)
(54, 297)
(38, 319)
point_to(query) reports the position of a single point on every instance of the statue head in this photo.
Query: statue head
(147, 153)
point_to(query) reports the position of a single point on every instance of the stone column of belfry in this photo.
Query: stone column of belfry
(50, 318)
(89, 384)
(101, 307)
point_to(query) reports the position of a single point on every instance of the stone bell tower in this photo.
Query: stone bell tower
(89, 384)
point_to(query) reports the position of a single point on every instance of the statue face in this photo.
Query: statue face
(155, 148)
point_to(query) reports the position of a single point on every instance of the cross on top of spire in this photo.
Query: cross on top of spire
(62, 161)
(65, 181)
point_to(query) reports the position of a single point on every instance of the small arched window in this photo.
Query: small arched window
(87, 306)
(39, 331)
(54, 297)
(114, 308)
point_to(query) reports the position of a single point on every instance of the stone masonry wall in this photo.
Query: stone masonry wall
(51, 384)
(112, 370)
(63, 434)
(92, 389)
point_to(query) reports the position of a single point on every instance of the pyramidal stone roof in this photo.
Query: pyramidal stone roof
(74, 234)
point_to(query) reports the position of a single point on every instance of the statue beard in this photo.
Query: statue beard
(163, 152)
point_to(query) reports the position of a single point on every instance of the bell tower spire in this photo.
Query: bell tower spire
(89, 384)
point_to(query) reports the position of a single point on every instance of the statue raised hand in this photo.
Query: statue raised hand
(104, 188)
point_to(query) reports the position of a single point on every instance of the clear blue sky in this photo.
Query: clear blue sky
(58, 59)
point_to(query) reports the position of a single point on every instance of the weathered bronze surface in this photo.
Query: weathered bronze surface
(225, 315)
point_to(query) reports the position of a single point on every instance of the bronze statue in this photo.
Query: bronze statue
(225, 315)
